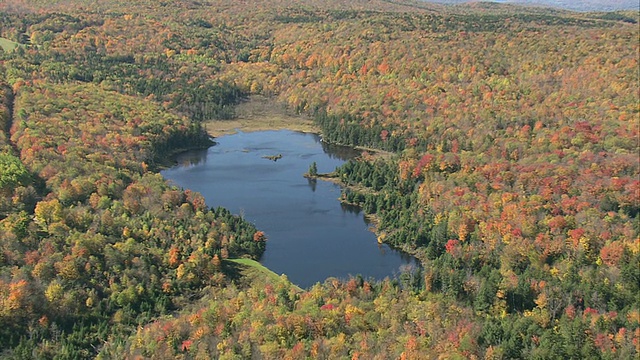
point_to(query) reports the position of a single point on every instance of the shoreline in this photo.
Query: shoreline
(373, 220)
(217, 128)
(260, 113)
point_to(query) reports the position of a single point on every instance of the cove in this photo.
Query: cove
(311, 235)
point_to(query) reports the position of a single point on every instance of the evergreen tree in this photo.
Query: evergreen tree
(313, 169)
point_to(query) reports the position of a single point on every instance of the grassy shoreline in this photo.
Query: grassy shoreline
(254, 268)
(259, 113)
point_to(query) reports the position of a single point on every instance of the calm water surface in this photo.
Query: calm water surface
(311, 236)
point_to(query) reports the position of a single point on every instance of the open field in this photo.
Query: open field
(7, 45)
(259, 113)
(255, 269)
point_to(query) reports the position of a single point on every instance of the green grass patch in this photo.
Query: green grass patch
(8, 45)
(254, 268)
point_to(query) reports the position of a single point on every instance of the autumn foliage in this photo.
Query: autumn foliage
(512, 174)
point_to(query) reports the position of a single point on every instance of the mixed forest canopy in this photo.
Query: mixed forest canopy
(514, 178)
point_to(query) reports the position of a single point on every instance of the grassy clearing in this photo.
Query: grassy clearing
(8, 45)
(258, 114)
(253, 269)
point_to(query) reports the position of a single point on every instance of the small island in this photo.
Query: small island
(313, 171)
(313, 174)
(273, 157)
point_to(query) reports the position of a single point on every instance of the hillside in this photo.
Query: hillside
(514, 178)
(584, 5)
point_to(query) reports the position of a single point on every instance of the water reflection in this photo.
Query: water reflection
(192, 158)
(313, 183)
(353, 209)
(339, 152)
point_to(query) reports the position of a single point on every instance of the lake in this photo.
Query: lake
(311, 235)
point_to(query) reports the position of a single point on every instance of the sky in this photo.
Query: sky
(577, 5)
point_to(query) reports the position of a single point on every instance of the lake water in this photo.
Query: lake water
(311, 236)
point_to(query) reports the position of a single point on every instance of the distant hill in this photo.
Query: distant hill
(584, 5)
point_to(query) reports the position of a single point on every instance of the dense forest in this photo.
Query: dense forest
(513, 176)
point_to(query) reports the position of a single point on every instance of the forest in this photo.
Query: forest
(513, 175)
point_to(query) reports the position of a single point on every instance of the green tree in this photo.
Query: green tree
(313, 169)
(12, 172)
